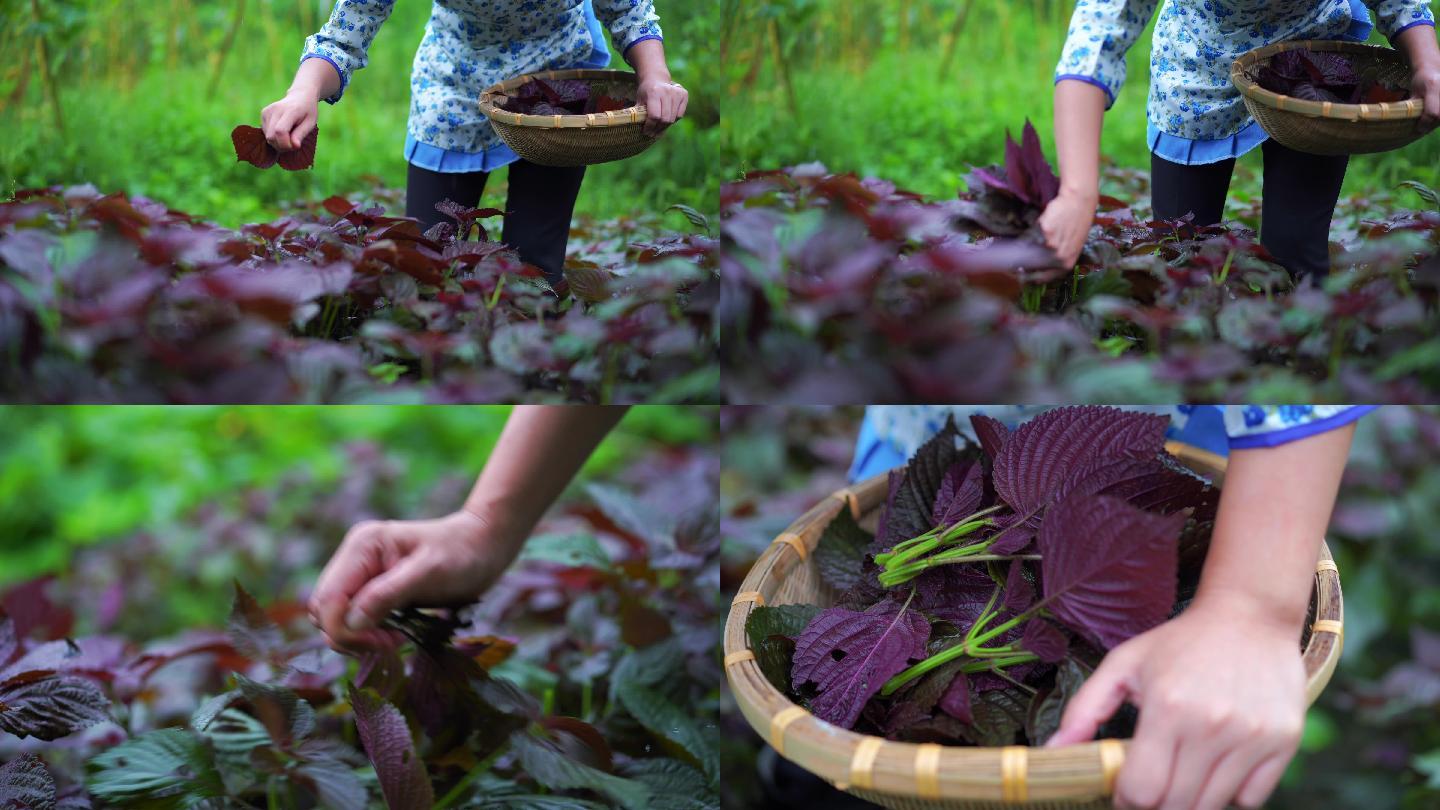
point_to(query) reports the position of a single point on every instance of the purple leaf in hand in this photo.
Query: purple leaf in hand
(850, 655)
(387, 742)
(1108, 569)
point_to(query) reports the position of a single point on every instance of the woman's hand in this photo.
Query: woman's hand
(389, 564)
(664, 102)
(287, 121)
(1066, 225)
(1221, 693)
(1425, 83)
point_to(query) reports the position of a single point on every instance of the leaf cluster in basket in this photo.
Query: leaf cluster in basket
(561, 97)
(603, 701)
(841, 289)
(998, 576)
(1323, 76)
(119, 298)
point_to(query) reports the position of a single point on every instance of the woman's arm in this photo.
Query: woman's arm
(384, 565)
(664, 100)
(1079, 117)
(1417, 41)
(1221, 688)
(635, 27)
(331, 55)
(1088, 78)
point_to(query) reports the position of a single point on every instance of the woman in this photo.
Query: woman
(468, 46)
(1198, 121)
(1220, 688)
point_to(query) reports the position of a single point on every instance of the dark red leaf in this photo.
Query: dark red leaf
(850, 655)
(50, 706)
(960, 495)
(303, 158)
(1043, 453)
(956, 700)
(25, 784)
(991, 432)
(1019, 590)
(1045, 640)
(1108, 569)
(252, 632)
(251, 147)
(387, 741)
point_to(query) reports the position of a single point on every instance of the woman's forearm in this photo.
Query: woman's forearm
(1079, 117)
(1418, 44)
(1274, 510)
(539, 451)
(648, 59)
(316, 79)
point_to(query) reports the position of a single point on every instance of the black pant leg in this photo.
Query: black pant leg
(540, 205)
(424, 188)
(1177, 189)
(1298, 202)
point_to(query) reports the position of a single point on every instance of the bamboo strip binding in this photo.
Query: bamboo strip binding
(899, 775)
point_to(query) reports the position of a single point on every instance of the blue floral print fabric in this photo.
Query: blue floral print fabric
(890, 434)
(470, 45)
(1195, 113)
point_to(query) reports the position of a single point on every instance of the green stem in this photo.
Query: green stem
(950, 654)
(468, 779)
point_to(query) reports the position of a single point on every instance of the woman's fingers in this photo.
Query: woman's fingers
(1205, 739)
(1145, 776)
(302, 129)
(1262, 781)
(389, 591)
(1227, 775)
(279, 132)
(1096, 701)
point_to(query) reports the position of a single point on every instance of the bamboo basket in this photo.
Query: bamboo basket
(1325, 127)
(908, 775)
(569, 140)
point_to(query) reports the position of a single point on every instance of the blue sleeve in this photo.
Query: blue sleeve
(1101, 33)
(629, 21)
(344, 40)
(1251, 426)
(1394, 16)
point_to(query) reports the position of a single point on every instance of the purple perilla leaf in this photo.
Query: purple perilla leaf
(1045, 640)
(1108, 569)
(391, 749)
(991, 432)
(962, 490)
(912, 512)
(850, 655)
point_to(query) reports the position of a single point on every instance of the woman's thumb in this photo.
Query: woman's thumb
(389, 591)
(1096, 701)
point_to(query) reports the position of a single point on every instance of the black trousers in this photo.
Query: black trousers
(540, 203)
(1297, 201)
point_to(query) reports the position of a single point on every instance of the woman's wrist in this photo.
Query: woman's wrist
(1081, 192)
(1247, 608)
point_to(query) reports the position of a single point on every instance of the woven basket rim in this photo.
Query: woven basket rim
(1410, 108)
(849, 759)
(615, 118)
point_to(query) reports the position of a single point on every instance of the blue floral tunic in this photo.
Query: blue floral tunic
(1196, 115)
(470, 45)
(891, 434)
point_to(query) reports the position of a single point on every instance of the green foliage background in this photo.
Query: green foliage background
(72, 476)
(148, 93)
(858, 85)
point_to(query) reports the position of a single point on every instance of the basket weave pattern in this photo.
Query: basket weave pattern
(1324, 127)
(568, 140)
(907, 775)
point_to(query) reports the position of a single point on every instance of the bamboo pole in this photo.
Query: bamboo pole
(46, 76)
(957, 28)
(227, 45)
(782, 68)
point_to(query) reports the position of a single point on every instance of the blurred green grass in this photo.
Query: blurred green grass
(145, 110)
(869, 96)
(73, 476)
